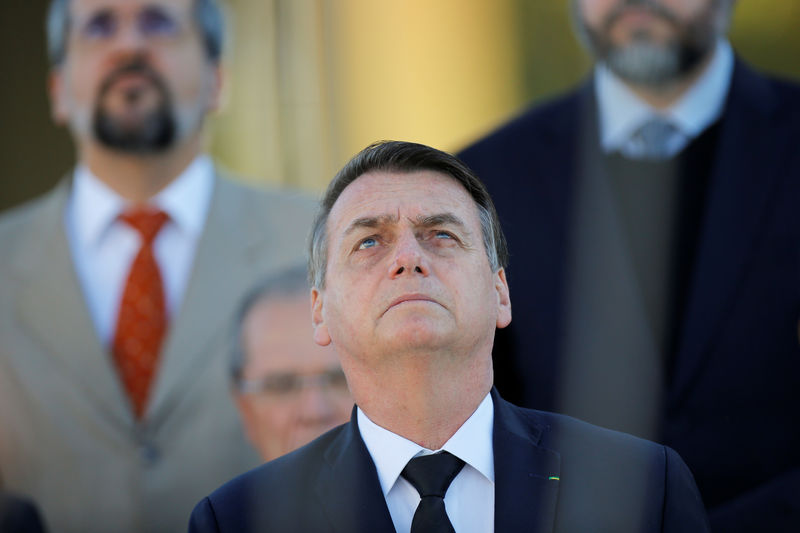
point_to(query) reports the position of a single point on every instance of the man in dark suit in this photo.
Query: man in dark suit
(652, 224)
(407, 261)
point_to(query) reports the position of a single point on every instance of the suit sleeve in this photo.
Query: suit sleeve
(683, 507)
(203, 519)
(771, 506)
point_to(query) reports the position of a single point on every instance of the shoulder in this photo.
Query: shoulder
(268, 495)
(20, 223)
(575, 439)
(766, 93)
(588, 449)
(606, 476)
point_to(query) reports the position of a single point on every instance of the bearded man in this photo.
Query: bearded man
(652, 222)
(117, 287)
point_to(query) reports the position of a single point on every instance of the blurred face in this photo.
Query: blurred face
(294, 390)
(136, 77)
(651, 42)
(407, 274)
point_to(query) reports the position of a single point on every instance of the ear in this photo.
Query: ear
(503, 299)
(59, 109)
(248, 416)
(321, 335)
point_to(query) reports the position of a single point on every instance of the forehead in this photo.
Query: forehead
(87, 7)
(674, 4)
(402, 196)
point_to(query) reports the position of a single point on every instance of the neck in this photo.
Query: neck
(138, 177)
(421, 400)
(664, 95)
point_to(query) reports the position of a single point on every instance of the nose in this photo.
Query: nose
(409, 257)
(129, 39)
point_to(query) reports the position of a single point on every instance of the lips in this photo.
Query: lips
(408, 298)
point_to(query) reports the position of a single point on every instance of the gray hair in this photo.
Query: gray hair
(405, 157)
(208, 15)
(291, 282)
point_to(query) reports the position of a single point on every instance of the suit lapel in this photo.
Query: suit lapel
(52, 307)
(743, 180)
(348, 487)
(219, 274)
(526, 474)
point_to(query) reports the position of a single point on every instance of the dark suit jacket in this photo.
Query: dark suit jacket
(552, 474)
(18, 515)
(730, 407)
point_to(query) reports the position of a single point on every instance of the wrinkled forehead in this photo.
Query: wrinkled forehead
(394, 197)
(83, 8)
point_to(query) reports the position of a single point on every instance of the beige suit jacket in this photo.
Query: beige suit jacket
(67, 435)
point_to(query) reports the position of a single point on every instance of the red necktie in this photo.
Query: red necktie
(142, 320)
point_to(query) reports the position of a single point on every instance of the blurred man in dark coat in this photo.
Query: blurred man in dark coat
(653, 229)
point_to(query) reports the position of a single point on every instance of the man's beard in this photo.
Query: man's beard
(155, 133)
(653, 64)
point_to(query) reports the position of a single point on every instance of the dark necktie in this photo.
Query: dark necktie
(431, 476)
(142, 321)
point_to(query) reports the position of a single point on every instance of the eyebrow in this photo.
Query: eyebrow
(420, 221)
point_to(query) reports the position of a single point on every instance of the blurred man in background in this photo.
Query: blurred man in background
(653, 227)
(116, 286)
(289, 390)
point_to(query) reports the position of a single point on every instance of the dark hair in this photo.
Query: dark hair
(208, 15)
(405, 157)
(293, 281)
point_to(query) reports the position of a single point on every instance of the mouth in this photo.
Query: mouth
(409, 299)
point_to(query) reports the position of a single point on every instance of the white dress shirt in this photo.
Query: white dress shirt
(621, 112)
(103, 247)
(470, 499)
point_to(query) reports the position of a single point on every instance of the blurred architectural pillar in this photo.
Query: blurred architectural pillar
(436, 72)
(314, 81)
(273, 127)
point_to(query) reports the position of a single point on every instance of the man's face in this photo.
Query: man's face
(651, 42)
(136, 77)
(303, 392)
(407, 274)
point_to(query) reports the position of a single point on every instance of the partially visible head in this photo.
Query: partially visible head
(135, 76)
(405, 157)
(288, 389)
(651, 43)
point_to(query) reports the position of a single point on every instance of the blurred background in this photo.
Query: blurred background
(311, 82)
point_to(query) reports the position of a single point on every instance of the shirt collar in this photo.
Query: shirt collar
(94, 206)
(621, 112)
(390, 452)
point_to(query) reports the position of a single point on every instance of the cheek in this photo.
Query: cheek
(271, 419)
(190, 77)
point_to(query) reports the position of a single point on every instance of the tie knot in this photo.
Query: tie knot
(147, 221)
(432, 474)
(656, 138)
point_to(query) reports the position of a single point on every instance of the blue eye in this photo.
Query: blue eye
(156, 22)
(443, 235)
(369, 242)
(100, 26)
